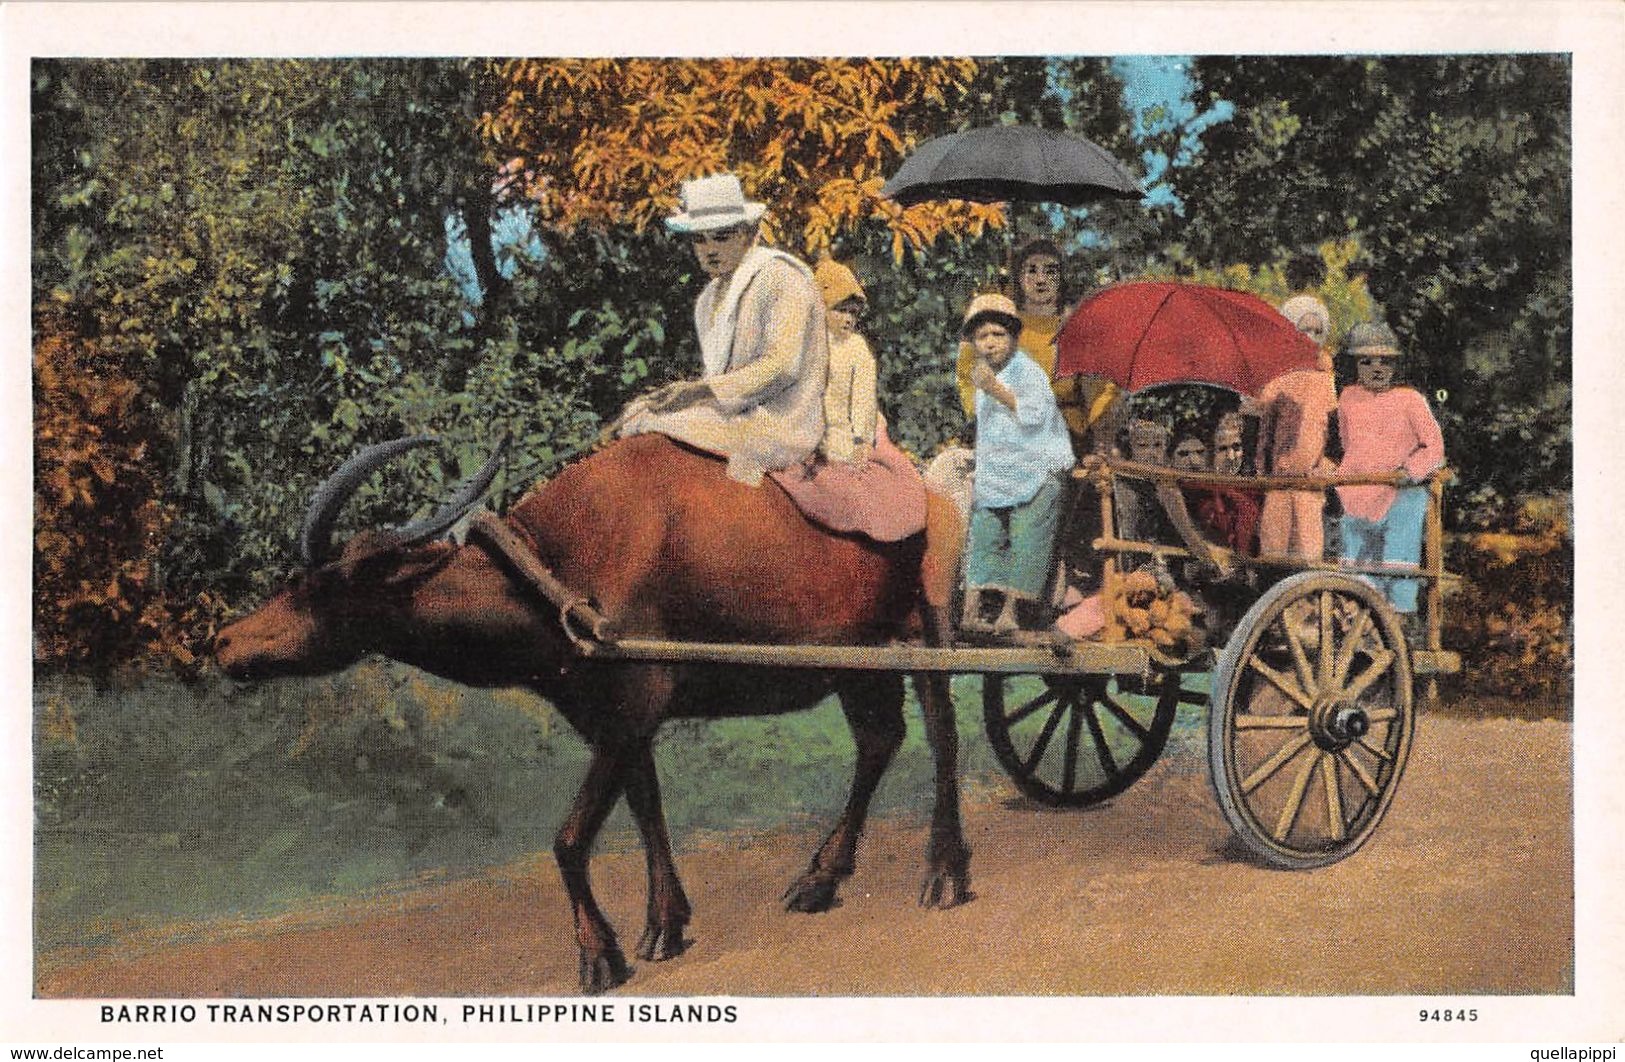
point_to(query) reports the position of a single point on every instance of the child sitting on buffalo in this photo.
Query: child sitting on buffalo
(1023, 452)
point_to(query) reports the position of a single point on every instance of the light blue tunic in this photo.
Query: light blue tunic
(1017, 450)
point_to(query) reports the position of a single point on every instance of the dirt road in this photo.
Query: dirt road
(1467, 888)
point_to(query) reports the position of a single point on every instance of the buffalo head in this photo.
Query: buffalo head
(338, 608)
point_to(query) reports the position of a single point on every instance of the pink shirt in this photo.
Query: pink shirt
(1297, 405)
(1390, 431)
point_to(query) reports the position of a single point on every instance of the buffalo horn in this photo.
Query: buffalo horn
(467, 496)
(315, 536)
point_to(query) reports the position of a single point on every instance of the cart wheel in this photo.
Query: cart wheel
(1311, 720)
(1114, 730)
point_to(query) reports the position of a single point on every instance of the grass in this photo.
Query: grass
(166, 802)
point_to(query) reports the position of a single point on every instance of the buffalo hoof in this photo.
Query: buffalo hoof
(946, 888)
(660, 943)
(603, 971)
(812, 893)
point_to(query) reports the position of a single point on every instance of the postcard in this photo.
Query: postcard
(704, 522)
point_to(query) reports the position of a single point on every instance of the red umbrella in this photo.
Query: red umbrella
(1153, 332)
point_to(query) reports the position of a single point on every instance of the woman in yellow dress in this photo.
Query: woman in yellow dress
(1041, 294)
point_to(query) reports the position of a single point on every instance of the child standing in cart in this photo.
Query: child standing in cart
(1023, 453)
(1385, 429)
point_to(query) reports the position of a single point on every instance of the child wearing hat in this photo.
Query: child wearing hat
(850, 411)
(1385, 428)
(1022, 454)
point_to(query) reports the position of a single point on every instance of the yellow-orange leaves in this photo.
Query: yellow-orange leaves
(607, 142)
(97, 512)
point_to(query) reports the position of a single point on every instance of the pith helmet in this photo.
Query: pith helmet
(1371, 339)
(1305, 312)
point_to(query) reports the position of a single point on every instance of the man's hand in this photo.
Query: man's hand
(679, 395)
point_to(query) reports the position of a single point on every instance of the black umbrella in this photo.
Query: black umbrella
(1011, 164)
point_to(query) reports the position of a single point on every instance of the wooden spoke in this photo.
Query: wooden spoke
(1088, 769)
(1282, 682)
(1381, 754)
(1122, 714)
(1275, 762)
(1345, 654)
(1312, 670)
(1323, 662)
(1031, 762)
(1107, 760)
(1300, 659)
(1334, 797)
(1294, 800)
(1047, 697)
(1380, 663)
(1271, 722)
(1074, 727)
(1192, 697)
(1360, 772)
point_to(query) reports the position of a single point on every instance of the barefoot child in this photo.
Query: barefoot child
(1022, 455)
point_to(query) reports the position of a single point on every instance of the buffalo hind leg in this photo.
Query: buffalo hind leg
(603, 966)
(947, 856)
(669, 910)
(874, 710)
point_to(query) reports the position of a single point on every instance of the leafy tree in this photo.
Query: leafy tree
(97, 506)
(606, 142)
(602, 146)
(259, 246)
(1453, 172)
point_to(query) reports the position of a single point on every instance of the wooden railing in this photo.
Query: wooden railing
(1101, 472)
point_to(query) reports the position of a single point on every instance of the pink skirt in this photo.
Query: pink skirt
(882, 499)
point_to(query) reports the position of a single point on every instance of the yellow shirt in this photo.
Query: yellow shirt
(1083, 399)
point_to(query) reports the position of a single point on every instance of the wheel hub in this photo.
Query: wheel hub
(1335, 726)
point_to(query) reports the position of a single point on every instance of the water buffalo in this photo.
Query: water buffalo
(666, 546)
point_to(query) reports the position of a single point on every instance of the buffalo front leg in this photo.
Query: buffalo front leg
(874, 711)
(947, 856)
(669, 909)
(603, 966)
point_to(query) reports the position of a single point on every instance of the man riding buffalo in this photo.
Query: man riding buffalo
(760, 399)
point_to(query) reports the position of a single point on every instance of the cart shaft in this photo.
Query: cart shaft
(1077, 658)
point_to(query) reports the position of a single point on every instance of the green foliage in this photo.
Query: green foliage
(262, 242)
(1454, 174)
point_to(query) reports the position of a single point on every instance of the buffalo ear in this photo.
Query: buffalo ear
(377, 558)
(416, 563)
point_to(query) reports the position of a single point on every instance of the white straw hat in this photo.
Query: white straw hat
(715, 202)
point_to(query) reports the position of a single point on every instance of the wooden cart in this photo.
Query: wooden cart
(1311, 692)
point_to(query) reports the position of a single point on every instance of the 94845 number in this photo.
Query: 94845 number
(1447, 1015)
